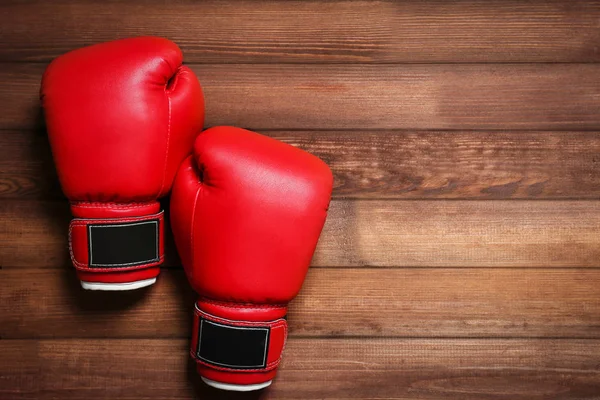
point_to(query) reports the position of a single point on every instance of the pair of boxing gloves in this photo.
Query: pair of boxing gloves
(124, 120)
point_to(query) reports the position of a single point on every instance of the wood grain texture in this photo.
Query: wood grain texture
(388, 164)
(26, 167)
(479, 302)
(392, 233)
(311, 369)
(314, 31)
(340, 97)
(428, 283)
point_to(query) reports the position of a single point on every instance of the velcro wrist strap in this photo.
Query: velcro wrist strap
(240, 346)
(120, 244)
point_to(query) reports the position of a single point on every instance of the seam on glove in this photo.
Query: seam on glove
(268, 368)
(192, 231)
(88, 204)
(242, 305)
(88, 221)
(162, 185)
(85, 267)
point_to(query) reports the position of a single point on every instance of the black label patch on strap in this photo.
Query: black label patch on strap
(235, 347)
(123, 245)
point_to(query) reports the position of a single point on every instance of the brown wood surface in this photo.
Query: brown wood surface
(461, 256)
(313, 31)
(383, 233)
(387, 164)
(440, 302)
(334, 97)
(312, 369)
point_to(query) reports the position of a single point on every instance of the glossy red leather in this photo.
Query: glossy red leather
(248, 378)
(121, 116)
(246, 213)
(122, 277)
(103, 210)
(245, 312)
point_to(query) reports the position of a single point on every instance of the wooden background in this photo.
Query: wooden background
(461, 256)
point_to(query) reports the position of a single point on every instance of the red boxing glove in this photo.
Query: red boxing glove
(121, 116)
(246, 213)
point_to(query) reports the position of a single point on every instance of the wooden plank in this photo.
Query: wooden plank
(439, 302)
(393, 233)
(34, 234)
(26, 166)
(313, 31)
(461, 233)
(387, 164)
(311, 369)
(340, 97)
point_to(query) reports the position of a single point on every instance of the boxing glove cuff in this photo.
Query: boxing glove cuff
(108, 244)
(237, 346)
